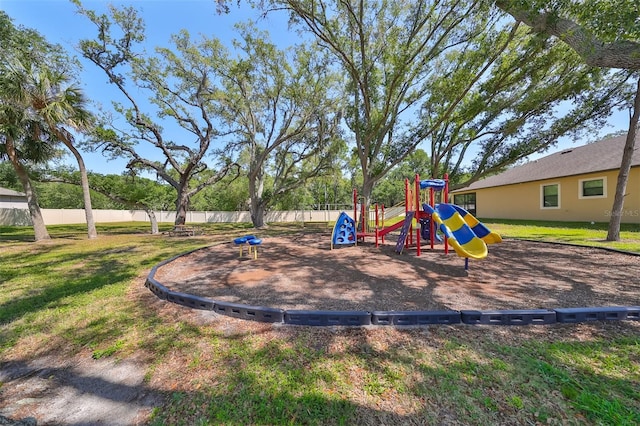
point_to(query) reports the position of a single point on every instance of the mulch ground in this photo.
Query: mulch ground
(301, 272)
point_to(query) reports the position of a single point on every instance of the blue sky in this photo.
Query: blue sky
(59, 23)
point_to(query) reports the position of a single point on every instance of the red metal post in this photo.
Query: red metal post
(377, 225)
(445, 194)
(382, 206)
(377, 218)
(445, 199)
(432, 227)
(406, 196)
(355, 207)
(417, 213)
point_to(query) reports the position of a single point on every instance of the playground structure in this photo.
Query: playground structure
(461, 230)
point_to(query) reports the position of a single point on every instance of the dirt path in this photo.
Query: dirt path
(80, 391)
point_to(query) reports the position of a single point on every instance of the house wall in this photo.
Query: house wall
(522, 201)
(13, 202)
(14, 210)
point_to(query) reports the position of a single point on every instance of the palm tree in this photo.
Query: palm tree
(60, 106)
(21, 140)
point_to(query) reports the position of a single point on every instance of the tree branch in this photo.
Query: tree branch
(621, 54)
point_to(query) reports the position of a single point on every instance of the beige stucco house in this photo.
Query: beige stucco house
(576, 184)
(13, 208)
(10, 199)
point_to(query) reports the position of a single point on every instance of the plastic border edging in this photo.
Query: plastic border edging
(509, 317)
(607, 313)
(415, 317)
(191, 301)
(254, 313)
(156, 288)
(327, 318)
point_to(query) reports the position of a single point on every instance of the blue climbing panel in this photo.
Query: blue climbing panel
(344, 231)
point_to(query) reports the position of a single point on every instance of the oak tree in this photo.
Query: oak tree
(172, 88)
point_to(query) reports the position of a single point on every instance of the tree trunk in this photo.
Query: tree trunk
(257, 203)
(257, 214)
(39, 227)
(182, 205)
(257, 208)
(367, 190)
(154, 221)
(365, 195)
(86, 193)
(623, 175)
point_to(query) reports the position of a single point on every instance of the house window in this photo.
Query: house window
(466, 201)
(550, 196)
(592, 188)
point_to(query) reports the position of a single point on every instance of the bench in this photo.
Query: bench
(185, 231)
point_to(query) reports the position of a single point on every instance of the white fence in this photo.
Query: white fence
(20, 217)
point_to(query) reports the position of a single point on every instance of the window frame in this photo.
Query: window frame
(466, 203)
(581, 182)
(542, 186)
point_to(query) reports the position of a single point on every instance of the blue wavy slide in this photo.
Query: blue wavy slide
(461, 232)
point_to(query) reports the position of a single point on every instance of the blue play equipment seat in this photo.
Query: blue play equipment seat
(253, 243)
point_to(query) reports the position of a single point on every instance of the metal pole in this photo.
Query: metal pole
(445, 199)
(417, 213)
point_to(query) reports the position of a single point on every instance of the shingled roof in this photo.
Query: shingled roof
(591, 158)
(10, 192)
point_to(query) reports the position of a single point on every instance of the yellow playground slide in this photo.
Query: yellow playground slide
(478, 228)
(459, 234)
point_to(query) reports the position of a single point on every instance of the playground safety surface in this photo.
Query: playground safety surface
(301, 272)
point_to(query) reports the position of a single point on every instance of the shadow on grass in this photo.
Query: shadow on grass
(70, 284)
(301, 375)
(105, 392)
(53, 276)
(435, 375)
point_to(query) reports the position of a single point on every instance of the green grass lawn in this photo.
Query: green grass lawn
(580, 233)
(74, 297)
